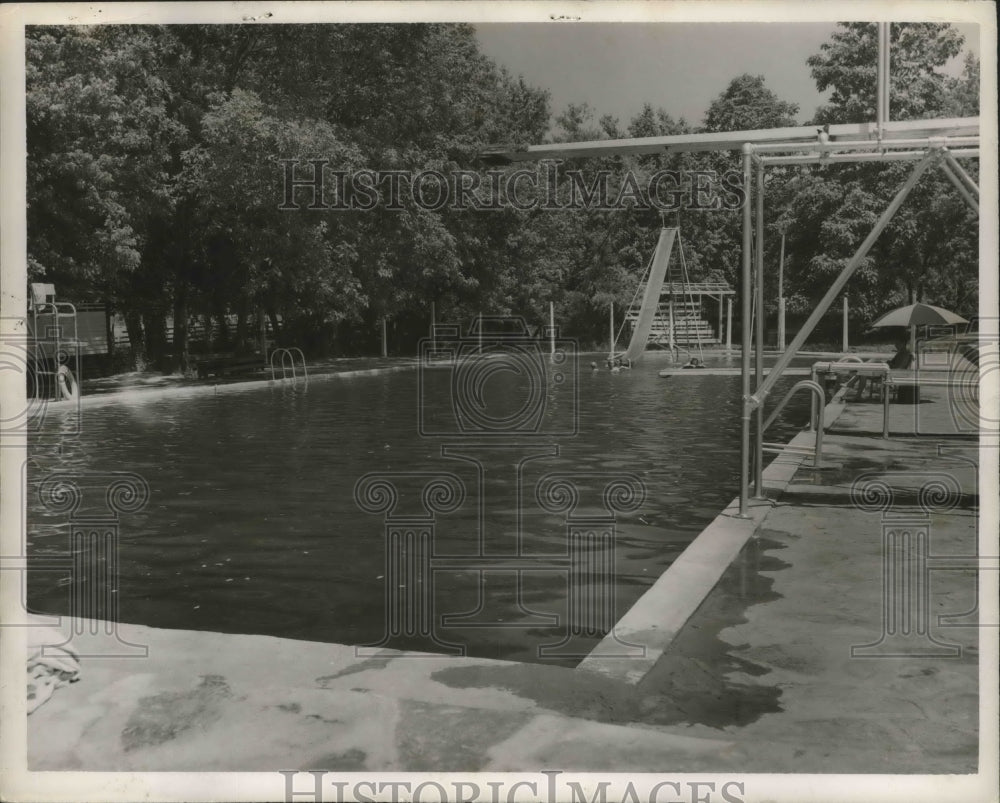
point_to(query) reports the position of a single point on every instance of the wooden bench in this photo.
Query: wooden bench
(222, 364)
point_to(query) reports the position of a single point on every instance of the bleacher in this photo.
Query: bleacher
(690, 326)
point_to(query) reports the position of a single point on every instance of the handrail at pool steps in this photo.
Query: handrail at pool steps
(815, 421)
(288, 356)
(63, 383)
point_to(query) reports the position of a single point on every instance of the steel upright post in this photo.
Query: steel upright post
(745, 326)
(758, 460)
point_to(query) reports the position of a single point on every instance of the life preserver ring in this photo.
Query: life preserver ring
(66, 382)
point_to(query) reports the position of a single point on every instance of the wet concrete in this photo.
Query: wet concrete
(699, 666)
(688, 685)
(163, 717)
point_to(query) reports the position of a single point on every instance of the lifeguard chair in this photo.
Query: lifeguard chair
(53, 344)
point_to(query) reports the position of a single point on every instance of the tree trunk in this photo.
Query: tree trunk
(109, 332)
(220, 317)
(181, 328)
(136, 338)
(272, 316)
(155, 326)
(242, 315)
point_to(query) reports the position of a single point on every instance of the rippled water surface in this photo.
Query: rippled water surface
(252, 525)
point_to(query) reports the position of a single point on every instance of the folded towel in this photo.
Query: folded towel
(51, 664)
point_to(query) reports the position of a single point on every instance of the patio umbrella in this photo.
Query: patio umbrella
(914, 315)
(918, 315)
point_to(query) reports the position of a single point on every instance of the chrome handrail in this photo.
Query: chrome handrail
(38, 344)
(815, 418)
(302, 357)
(288, 354)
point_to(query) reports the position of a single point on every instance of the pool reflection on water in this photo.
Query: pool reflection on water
(252, 524)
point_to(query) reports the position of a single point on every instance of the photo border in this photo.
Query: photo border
(23, 785)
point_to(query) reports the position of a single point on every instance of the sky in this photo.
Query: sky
(616, 67)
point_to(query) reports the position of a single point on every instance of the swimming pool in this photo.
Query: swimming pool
(255, 522)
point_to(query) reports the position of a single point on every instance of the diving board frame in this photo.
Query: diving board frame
(927, 142)
(935, 152)
(846, 136)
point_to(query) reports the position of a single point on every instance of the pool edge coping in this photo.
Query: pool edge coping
(139, 393)
(659, 615)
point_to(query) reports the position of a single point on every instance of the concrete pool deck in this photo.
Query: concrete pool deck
(743, 682)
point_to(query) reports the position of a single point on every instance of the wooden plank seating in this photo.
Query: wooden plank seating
(222, 364)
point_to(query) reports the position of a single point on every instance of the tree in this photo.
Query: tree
(747, 104)
(847, 64)
(101, 140)
(928, 252)
(153, 171)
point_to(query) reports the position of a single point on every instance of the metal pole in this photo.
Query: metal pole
(729, 323)
(611, 332)
(960, 186)
(879, 98)
(850, 158)
(719, 329)
(745, 326)
(949, 157)
(886, 393)
(552, 328)
(433, 327)
(670, 339)
(882, 79)
(813, 377)
(844, 345)
(781, 295)
(839, 283)
(758, 462)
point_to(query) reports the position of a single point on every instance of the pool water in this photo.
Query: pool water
(253, 522)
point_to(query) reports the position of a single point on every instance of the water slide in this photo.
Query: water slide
(651, 295)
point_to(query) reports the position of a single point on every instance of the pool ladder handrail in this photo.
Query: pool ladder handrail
(288, 359)
(40, 359)
(815, 421)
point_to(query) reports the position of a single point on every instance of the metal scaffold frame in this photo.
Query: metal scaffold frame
(927, 142)
(930, 152)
